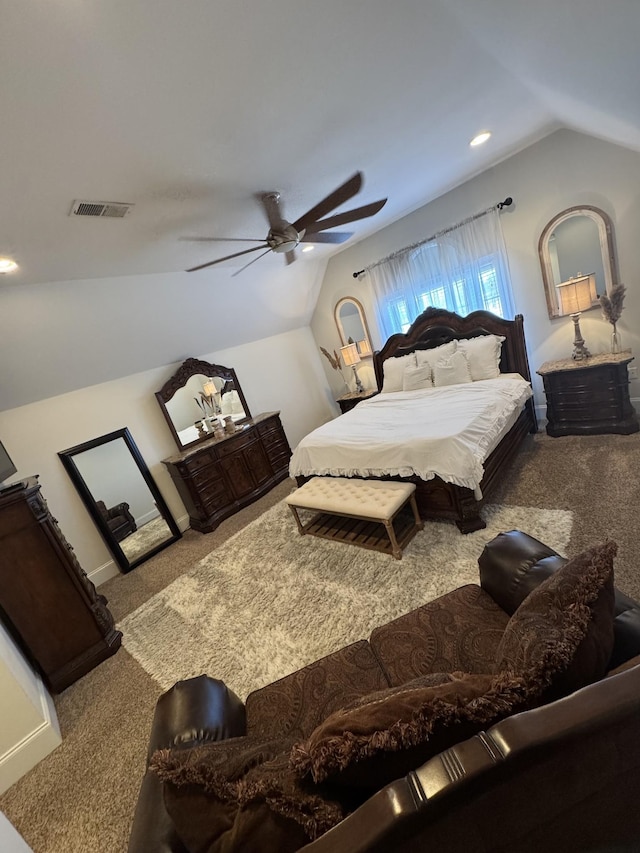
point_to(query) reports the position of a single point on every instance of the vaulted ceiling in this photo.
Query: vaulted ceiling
(188, 108)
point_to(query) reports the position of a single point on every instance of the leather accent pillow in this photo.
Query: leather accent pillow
(383, 736)
(561, 637)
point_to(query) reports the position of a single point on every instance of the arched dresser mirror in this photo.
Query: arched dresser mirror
(121, 496)
(196, 396)
(352, 325)
(577, 245)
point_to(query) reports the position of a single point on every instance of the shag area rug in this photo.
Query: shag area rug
(144, 538)
(270, 601)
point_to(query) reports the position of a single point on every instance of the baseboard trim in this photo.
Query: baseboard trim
(104, 573)
(24, 755)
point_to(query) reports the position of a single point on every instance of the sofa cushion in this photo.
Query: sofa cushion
(382, 737)
(297, 703)
(241, 794)
(459, 631)
(560, 638)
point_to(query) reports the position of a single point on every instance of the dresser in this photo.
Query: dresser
(47, 602)
(589, 397)
(219, 476)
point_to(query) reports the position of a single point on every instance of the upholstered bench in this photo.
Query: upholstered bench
(360, 512)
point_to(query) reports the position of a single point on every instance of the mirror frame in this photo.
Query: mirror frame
(67, 458)
(607, 248)
(363, 320)
(191, 367)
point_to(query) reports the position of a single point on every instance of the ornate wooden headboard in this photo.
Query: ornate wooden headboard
(436, 326)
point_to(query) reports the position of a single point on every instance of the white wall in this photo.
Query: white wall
(281, 373)
(560, 171)
(10, 840)
(29, 730)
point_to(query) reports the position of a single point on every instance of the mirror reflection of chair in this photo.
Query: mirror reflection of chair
(118, 519)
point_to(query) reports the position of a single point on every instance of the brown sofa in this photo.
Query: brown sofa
(544, 773)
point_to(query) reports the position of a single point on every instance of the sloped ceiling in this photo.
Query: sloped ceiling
(188, 109)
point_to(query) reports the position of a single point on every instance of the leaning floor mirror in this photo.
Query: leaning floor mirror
(121, 496)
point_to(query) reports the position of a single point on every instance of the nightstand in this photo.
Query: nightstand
(348, 401)
(589, 397)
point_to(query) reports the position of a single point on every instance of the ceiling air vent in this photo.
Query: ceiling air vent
(114, 209)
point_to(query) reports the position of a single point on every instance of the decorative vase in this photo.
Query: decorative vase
(616, 346)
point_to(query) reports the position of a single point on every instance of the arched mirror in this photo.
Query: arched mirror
(198, 398)
(577, 246)
(352, 325)
(122, 497)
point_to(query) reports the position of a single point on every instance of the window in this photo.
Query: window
(462, 270)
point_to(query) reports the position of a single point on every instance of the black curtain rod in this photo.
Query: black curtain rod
(506, 203)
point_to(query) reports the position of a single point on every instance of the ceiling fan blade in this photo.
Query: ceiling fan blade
(290, 256)
(333, 200)
(221, 239)
(271, 204)
(348, 216)
(333, 237)
(227, 257)
(237, 272)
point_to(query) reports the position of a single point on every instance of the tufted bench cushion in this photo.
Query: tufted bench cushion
(369, 502)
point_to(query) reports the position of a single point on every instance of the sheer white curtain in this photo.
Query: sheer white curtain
(462, 269)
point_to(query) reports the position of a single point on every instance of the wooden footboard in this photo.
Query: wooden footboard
(440, 501)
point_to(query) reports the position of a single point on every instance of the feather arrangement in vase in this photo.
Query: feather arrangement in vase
(611, 310)
(334, 361)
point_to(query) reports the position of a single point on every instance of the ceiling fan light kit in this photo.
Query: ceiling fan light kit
(284, 237)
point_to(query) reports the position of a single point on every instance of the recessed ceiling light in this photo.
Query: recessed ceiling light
(480, 138)
(7, 265)
(308, 249)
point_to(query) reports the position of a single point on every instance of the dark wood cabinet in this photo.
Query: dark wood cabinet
(218, 477)
(47, 602)
(589, 397)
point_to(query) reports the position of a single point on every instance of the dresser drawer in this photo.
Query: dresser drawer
(201, 460)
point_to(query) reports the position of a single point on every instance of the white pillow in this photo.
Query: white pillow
(431, 356)
(393, 372)
(451, 371)
(225, 404)
(416, 378)
(236, 403)
(483, 355)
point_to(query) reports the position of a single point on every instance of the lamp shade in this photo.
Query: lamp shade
(209, 388)
(350, 354)
(576, 294)
(364, 348)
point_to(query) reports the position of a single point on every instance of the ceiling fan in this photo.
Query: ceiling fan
(283, 236)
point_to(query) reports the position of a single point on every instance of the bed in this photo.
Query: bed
(455, 495)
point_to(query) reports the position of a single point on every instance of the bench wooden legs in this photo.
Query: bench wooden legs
(328, 526)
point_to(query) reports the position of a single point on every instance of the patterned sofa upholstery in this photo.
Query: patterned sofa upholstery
(560, 777)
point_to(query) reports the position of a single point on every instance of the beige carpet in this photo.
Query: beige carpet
(80, 799)
(270, 601)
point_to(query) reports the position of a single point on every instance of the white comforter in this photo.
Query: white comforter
(446, 432)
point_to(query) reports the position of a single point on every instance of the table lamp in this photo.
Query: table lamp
(351, 358)
(575, 297)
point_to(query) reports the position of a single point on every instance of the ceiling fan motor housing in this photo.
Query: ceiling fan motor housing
(285, 239)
